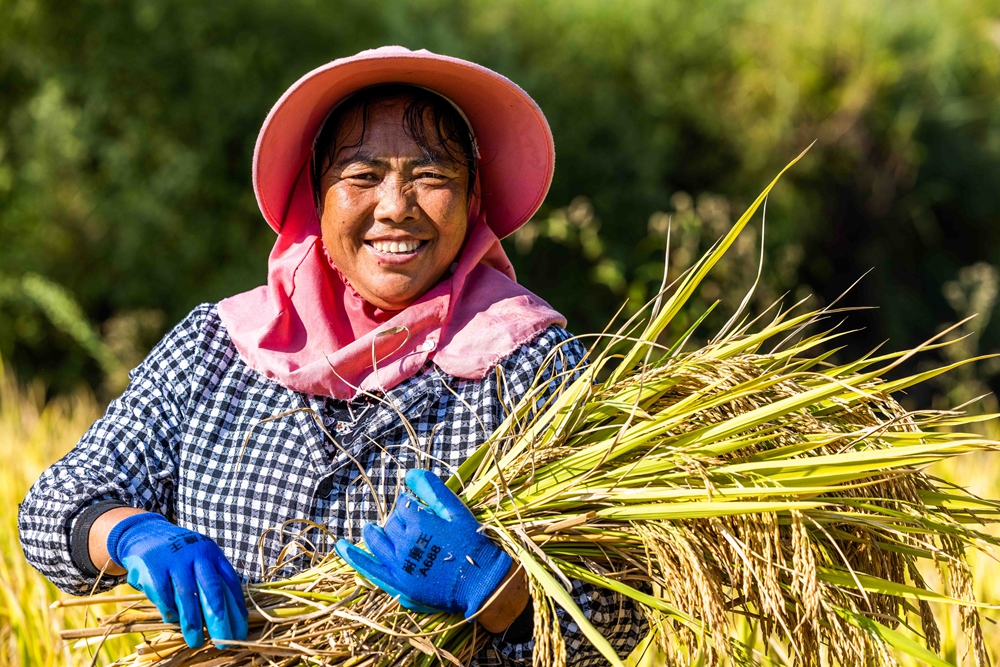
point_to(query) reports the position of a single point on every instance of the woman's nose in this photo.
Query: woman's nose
(397, 201)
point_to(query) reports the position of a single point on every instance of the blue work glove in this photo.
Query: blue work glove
(184, 574)
(430, 554)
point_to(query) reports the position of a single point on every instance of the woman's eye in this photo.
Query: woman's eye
(362, 176)
(433, 175)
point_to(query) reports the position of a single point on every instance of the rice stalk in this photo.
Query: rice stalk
(750, 481)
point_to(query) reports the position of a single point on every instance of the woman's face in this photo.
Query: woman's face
(393, 215)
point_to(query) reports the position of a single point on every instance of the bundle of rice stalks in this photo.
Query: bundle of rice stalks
(749, 479)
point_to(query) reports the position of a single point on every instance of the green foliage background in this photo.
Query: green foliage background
(126, 130)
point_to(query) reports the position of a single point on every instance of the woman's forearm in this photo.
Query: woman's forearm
(97, 541)
(507, 603)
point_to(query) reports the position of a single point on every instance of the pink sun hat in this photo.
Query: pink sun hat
(517, 155)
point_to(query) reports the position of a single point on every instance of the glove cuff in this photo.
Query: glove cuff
(118, 534)
(484, 582)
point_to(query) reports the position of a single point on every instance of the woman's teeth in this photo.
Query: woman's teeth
(398, 247)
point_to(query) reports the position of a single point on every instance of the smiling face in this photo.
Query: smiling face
(393, 214)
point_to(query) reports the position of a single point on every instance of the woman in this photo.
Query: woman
(390, 177)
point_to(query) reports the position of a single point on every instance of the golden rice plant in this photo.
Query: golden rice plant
(34, 433)
(749, 493)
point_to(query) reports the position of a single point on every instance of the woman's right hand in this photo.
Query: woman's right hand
(184, 574)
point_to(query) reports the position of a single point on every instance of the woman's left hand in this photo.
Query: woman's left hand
(431, 553)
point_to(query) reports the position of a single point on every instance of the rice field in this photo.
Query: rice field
(35, 432)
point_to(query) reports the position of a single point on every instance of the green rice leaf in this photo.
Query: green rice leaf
(705, 510)
(878, 585)
(687, 287)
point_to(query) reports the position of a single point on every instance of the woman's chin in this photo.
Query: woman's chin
(389, 290)
(388, 298)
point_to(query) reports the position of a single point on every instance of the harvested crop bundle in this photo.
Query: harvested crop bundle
(751, 478)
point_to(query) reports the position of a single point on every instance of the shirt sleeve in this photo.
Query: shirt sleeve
(128, 457)
(552, 357)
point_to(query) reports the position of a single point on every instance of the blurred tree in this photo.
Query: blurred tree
(126, 130)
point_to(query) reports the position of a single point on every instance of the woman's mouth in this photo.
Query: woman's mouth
(394, 252)
(396, 247)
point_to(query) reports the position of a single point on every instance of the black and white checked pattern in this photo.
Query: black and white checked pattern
(176, 442)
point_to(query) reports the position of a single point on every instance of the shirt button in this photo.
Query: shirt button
(325, 487)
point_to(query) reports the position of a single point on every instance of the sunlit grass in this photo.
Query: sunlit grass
(33, 434)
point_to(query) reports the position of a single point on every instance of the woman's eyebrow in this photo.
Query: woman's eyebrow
(368, 160)
(361, 159)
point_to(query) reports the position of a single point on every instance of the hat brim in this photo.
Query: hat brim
(517, 154)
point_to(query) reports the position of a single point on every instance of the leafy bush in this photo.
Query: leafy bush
(126, 130)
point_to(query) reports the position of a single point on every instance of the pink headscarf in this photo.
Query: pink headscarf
(310, 331)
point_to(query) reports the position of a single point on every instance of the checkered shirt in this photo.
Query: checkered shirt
(187, 440)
